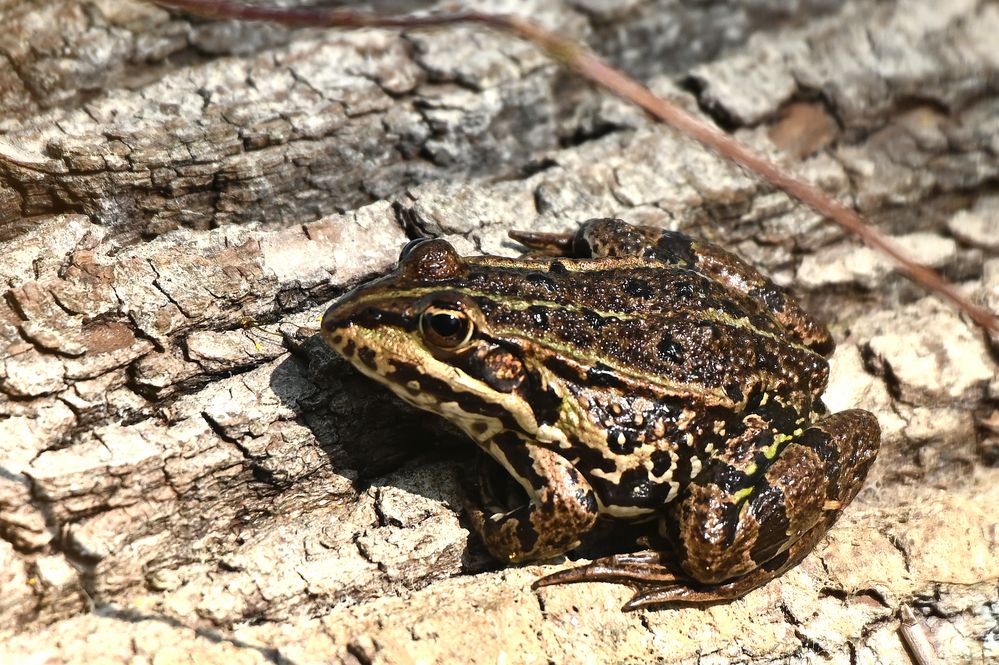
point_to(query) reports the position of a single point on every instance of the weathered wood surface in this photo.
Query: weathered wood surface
(173, 486)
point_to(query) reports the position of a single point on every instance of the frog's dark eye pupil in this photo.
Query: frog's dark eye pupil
(445, 325)
(446, 328)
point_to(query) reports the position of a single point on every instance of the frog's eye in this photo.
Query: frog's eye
(446, 327)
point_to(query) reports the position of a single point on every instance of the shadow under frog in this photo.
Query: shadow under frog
(375, 439)
(370, 435)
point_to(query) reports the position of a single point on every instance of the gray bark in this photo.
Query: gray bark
(175, 484)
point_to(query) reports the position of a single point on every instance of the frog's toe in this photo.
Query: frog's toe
(639, 568)
(545, 244)
(682, 594)
(659, 583)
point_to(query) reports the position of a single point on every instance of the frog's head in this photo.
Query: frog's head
(421, 331)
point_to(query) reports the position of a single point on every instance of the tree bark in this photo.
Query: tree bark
(175, 484)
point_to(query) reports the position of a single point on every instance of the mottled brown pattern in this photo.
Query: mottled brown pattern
(641, 375)
(718, 549)
(564, 509)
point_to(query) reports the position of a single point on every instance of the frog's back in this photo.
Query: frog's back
(659, 364)
(659, 324)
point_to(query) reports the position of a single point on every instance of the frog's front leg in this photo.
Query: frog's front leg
(562, 508)
(738, 528)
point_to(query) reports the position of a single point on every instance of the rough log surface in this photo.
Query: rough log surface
(175, 486)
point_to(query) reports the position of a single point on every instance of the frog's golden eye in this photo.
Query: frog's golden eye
(446, 327)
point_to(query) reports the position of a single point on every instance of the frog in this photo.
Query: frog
(622, 374)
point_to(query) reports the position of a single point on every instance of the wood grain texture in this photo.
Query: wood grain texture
(174, 485)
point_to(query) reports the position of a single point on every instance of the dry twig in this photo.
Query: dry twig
(915, 640)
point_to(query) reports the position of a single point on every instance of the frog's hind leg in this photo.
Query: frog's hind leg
(695, 593)
(739, 528)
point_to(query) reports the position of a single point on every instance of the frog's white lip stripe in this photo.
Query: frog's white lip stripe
(467, 398)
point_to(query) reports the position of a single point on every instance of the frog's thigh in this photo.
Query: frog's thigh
(765, 527)
(563, 506)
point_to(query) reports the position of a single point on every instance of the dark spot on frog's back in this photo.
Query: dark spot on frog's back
(638, 288)
(669, 349)
(558, 268)
(539, 315)
(596, 321)
(542, 280)
(683, 290)
(477, 277)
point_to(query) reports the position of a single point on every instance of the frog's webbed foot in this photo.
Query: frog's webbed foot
(657, 582)
(637, 568)
(692, 594)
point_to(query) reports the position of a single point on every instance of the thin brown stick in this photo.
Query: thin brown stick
(914, 637)
(590, 66)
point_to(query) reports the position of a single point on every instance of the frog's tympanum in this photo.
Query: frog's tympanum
(624, 373)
